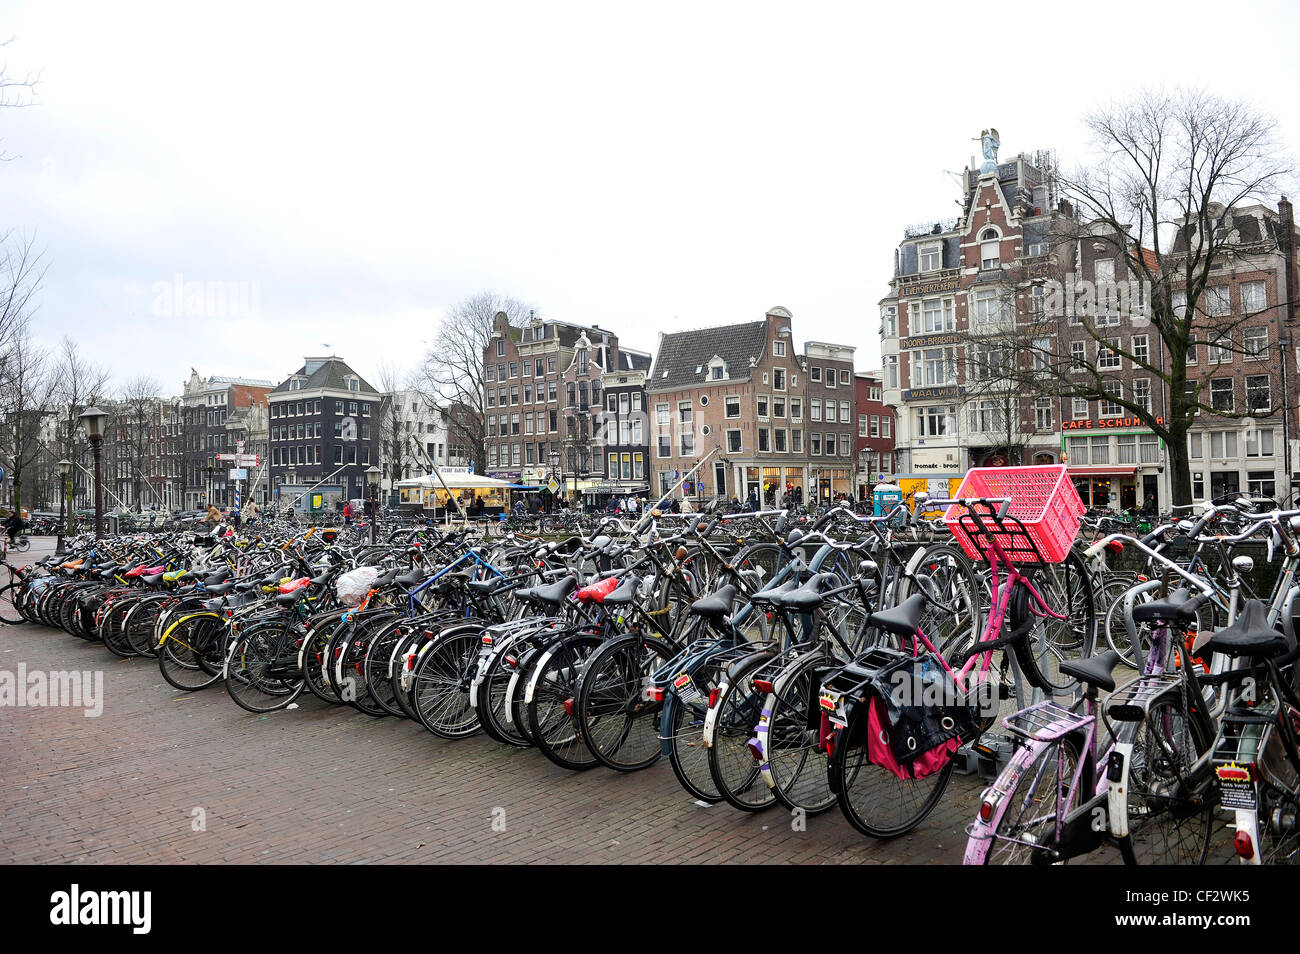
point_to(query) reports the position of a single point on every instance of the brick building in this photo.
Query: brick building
(875, 442)
(743, 392)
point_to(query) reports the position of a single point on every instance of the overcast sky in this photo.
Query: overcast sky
(361, 167)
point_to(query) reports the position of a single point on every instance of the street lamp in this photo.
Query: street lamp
(92, 418)
(65, 468)
(372, 481)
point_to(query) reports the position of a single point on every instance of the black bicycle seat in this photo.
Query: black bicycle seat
(1095, 670)
(1250, 635)
(1174, 608)
(717, 605)
(901, 620)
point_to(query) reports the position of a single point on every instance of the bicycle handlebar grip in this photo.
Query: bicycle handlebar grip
(1006, 505)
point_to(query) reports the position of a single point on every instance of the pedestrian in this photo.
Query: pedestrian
(347, 513)
(751, 504)
(214, 515)
(252, 513)
(687, 506)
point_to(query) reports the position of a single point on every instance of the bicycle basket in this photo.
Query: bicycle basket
(1043, 520)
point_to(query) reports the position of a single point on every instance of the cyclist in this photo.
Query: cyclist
(14, 524)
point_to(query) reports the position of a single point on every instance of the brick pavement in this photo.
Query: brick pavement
(324, 783)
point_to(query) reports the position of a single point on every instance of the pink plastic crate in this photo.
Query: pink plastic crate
(1043, 499)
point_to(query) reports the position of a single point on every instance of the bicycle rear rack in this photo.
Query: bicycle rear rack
(1132, 701)
(1044, 722)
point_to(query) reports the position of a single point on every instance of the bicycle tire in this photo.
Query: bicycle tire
(733, 764)
(1029, 816)
(619, 725)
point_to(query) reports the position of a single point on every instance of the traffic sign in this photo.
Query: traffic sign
(238, 473)
(227, 457)
(249, 460)
(553, 485)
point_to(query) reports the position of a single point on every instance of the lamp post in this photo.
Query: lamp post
(65, 468)
(93, 420)
(372, 481)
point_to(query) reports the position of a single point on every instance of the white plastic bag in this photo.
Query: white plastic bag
(353, 586)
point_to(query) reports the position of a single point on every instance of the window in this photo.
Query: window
(891, 371)
(778, 349)
(763, 406)
(1100, 449)
(1107, 356)
(1221, 394)
(828, 444)
(796, 441)
(1043, 414)
(890, 329)
(932, 315)
(764, 440)
(491, 374)
(1141, 348)
(1126, 449)
(685, 415)
(778, 406)
(845, 377)
(1217, 300)
(501, 347)
(830, 377)
(514, 369)
(1193, 399)
(937, 366)
(989, 245)
(1219, 349)
(778, 379)
(731, 406)
(1259, 396)
(862, 425)
(733, 442)
(817, 375)
(814, 444)
(846, 414)
(1194, 445)
(935, 421)
(830, 412)
(1142, 393)
(1078, 355)
(815, 409)
(988, 417)
(796, 409)
(875, 426)
(1260, 483)
(779, 440)
(1103, 270)
(992, 311)
(1254, 341)
(716, 372)
(886, 426)
(1113, 390)
(989, 362)
(1178, 302)
(1259, 442)
(1223, 444)
(1254, 298)
(1077, 449)
(931, 257)
(844, 445)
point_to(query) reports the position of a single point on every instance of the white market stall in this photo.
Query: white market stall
(476, 492)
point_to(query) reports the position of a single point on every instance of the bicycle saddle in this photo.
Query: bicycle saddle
(1095, 670)
(717, 605)
(625, 593)
(1250, 635)
(901, 620)
(774, 595)
(412, 578)
(808, 597)
(1173, 608)
(553, 593)
(219, 589)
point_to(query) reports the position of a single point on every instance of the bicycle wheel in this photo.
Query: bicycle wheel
(1166, 826)
(685, 710)
(794, 761)
(9, 612)
(262, 673)
(493, 703)
(191, 651)
(1029, 819)
(440, 687)
(1066, 587)
(550, 697)
(946, 577)
(733, 765)
(874, 800)
(619, 724)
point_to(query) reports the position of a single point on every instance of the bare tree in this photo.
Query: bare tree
(79, 383)
(16, 90)
(27, 398)
(452, 371)
(137, 413)
(1172, 171)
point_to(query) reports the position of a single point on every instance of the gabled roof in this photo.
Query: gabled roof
(330, 376)
(680, 353)
(629, 360)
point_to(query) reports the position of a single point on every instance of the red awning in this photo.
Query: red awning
(1101, 470)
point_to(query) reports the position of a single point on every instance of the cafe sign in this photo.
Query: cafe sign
(1107, 423)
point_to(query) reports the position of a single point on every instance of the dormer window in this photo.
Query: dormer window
(717, 369)
(990, 244)
(931, 257)
(354, 384)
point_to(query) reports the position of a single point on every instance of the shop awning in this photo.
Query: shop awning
(1101, 470)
